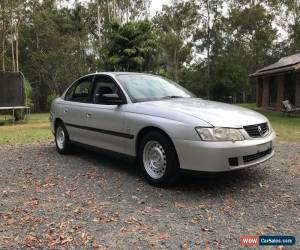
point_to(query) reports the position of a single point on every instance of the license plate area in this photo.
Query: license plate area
(264, 147)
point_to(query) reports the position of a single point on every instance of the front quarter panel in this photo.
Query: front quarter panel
(174, 129)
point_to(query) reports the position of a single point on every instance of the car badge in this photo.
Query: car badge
(260, 130)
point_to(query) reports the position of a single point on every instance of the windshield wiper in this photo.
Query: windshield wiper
(172, 97)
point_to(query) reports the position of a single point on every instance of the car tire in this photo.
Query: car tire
(62, 140)
(158, 159)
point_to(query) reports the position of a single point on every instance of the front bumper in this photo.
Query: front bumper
(224, 156)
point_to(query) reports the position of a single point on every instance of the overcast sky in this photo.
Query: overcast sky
(156, 5)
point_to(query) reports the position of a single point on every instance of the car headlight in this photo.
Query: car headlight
(270, 127)
(220, 134)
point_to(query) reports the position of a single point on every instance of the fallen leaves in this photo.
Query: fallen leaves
(179, 205)
(263, 230)
(61, 205)
(65, 240)
(134, 225)
(92, 175)
(59, 234)
(55, 239)
(134, 229)
(32, 240)
(10, 221)
(295, 169)
(35, 201)
(108, 217)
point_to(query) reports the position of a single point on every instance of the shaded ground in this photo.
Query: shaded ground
(95, 201)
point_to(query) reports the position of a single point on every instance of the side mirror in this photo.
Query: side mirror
(112, 99)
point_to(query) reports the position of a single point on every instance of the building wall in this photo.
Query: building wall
(266, 95)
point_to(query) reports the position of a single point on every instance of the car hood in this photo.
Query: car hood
(215, 113)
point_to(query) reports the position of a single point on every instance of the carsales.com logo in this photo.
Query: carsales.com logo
(265, 240)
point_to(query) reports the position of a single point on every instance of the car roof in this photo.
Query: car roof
(115, 73)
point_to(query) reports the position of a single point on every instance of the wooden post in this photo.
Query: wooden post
(280, 92)
(13, 118)
(265, 92)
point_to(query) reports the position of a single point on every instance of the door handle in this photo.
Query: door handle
(88, 115)
(66, 110)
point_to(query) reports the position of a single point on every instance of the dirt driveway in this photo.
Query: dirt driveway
(94, 201)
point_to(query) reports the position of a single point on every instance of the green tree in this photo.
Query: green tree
(209, 36)
(131, 46)
(54, 48)
(175, 27)
(291, 24)
(250, 40)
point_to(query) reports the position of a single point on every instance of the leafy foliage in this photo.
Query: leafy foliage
(209, 46)
(28, 94)
(131, 46)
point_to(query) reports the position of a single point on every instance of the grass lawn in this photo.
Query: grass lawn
(36, 130)
(287, 127)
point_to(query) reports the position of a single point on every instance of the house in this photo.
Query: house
(278, 82)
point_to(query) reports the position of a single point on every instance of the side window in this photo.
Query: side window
(80, 92)
(69, 93)
(103, 86)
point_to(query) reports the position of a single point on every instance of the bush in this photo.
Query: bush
(28, 94)
(50, 98)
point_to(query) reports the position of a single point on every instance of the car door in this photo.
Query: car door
(77, 98)
(105, 119)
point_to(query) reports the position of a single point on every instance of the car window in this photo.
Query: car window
(104, 86)
(69, 93)
(80, 92)
(147, 87)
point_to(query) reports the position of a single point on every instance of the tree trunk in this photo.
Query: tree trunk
(17, 49)
(244, 96)
(208, 75)
(13, 50)
(3, 54)
(208, 51)
(108, 11)
(175, 66)
(114, 9)
(3, 6)
(99, 27)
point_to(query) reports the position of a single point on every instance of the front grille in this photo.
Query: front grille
(249, 158)
(258, 130)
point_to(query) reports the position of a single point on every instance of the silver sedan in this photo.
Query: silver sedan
(164, 126)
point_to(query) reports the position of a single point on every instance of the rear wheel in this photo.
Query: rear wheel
(158, 159)
(62, 141)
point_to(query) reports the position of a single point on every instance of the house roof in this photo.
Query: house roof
(285, 64)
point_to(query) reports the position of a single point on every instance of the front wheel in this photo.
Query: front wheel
(158, 159)
(62, 141)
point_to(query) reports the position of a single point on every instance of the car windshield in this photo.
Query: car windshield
(147, 87)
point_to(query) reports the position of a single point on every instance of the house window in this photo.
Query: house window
(290, 88)
(273, 91)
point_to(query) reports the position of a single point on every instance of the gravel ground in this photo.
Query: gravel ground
(89, 200)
